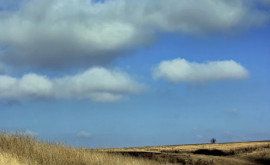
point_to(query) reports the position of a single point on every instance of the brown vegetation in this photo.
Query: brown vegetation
(24, 150)
(244, 153)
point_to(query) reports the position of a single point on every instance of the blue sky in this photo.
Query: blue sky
(122, 73)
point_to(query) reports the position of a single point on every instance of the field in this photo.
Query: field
(244, 153)
(19, 149)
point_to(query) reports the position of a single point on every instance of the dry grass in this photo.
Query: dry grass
(21, 149)
(193, 147)
(244, 153)
(6, 159)
(24, 150)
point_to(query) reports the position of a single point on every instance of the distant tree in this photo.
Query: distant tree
(213, 140)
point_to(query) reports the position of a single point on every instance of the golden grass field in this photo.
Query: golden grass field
(17, 149)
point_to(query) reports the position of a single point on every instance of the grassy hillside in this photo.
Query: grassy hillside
(24, 150)
(244, 153)
(21, 150)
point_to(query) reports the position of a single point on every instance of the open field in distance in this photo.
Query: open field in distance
(222, 153)
(24, 150)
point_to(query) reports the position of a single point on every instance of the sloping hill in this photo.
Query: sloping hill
(21, 150)
(244, 153)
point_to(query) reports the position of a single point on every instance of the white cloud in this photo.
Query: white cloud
(232, 113)
(29, 133)
(60, 33)
(84, 134)
(68, 33)
(98, 84)
(180, 70)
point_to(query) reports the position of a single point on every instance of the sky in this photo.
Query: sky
(124, 73)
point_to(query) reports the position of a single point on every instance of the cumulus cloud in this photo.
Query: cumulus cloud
(181, 70)
(69, 33)
(97, 84)
(60, 33)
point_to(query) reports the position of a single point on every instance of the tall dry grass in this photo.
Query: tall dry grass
(22, 149)
(18, 149)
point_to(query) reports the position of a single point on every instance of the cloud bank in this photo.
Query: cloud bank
(180, 70)
(70, 33)
(97, 84)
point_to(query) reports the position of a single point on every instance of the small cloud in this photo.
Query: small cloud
(84, 134)
(195, 129)
(181, 70)
(199, 136)
(29, 133)
(232, 112)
